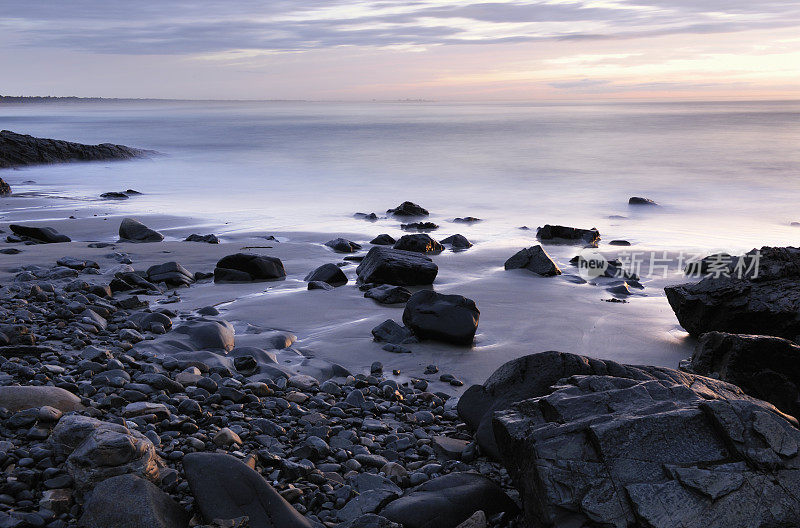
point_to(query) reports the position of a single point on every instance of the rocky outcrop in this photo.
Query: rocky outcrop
(242, 267)
(533, 259)
(563, 234)
(764, 300)
(17, 150)
(448, 318)
(618, 445)
(765, 367)
(384, 265)
(131, 230)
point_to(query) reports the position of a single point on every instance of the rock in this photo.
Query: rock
(716, 263)
(225, 437)
(369, 520)
(638, 200)
(17, 150)
(466, 220)
(127, 501)
(131, 230)
(419, 243)
(98, 450)
(204, 334)
(373, 492)
(342, 245)
(620, 290)
(113, 195)
(384, 265)
(241, 267)
(370, 217)
(383, 240)
(457, 242)
(619, 243)
(170, 272)
(450, 447)
(42, 235)
(767, 368)
(534, 259)
(208, 239)
(478, 520)
(5, 188)
(449, 500)
(328, 273)
(448, 318)
(419, 226)
(319, 285)
(225, 488)
(387, 294)
(559, 233)
(391, 332)
(16, 398)
(408, 209)
(767, 304)
(583, 452)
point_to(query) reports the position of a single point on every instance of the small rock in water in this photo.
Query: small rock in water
(534, 259)
(408, 209)
(208, 239)
(383, 240)
(419, 226)
(558, 233)
(388, 294)
(466, 220)
(370, 217)
(619, 243)
(457, 242)
(638, 200)
(342, 245)
(419, 243)
(328, 273)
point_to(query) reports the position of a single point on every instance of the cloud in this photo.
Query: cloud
(215, 27)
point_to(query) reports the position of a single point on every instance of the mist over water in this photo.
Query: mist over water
(725, 173)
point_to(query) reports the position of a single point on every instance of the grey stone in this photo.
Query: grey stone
(328, 273)
(131, 230)
(388, 294)
(391, 332)
(17, 398)
(534, 259)
(242, 267)
(418, 243)
(557, 233)
(448, 318)
(384, 265)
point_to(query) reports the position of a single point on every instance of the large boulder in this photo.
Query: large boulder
(19, 149)
(226, 488)
(384, 265)
(533, 259)
(558, 233)
(758, 294)
(448, 318)
(131, 230)
(328, 273)
(419, 243)
(646, 446)
(765, 367)
(408, 209)
(447, 501)
(42, 235)
(127, 501)
(16, 398)
(96, 450)
(242, 267)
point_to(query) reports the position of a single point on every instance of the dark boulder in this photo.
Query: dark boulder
(369, 217)
(113, 195)
(457, 242)
(42, 235)
(383, 240)
(241, 267)
(171, 273)
(533, 259)
(644, 446)
(448, 318)
(449, 500)
(467, 220)
(384, 265)
(419, 243)
(408, 209)
(5, 188)
(226, 488)
(760, 296)
(342, 245)
(764, 367)
(387, 294)
(208, 239)
(638, 200)
(419, 226)
(17, 150)
(128, 501)
(391, 332)
(328, 273)
(557, 233)
(319, 285)
(619, 243)
(715, 264)
(131, 230)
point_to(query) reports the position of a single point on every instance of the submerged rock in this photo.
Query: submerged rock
(765, 367)
(419, 243)
(384, 265)
(448, 318)
(466, 220)
(533, 259)
(131, 230)
(638, 200)
(17, 150)
(42, 235)
(579, 439)
(765, 300)
(561, 233)
(408, 209)
(242, 267)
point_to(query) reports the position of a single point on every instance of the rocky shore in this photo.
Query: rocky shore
(120, 405)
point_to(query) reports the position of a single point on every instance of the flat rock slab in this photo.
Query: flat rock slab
(18, 149)
(447, 501)
(226, 488)
(44, 235)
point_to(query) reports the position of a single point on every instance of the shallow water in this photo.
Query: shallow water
(725, 173)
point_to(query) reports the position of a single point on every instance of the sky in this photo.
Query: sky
(417, 49)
